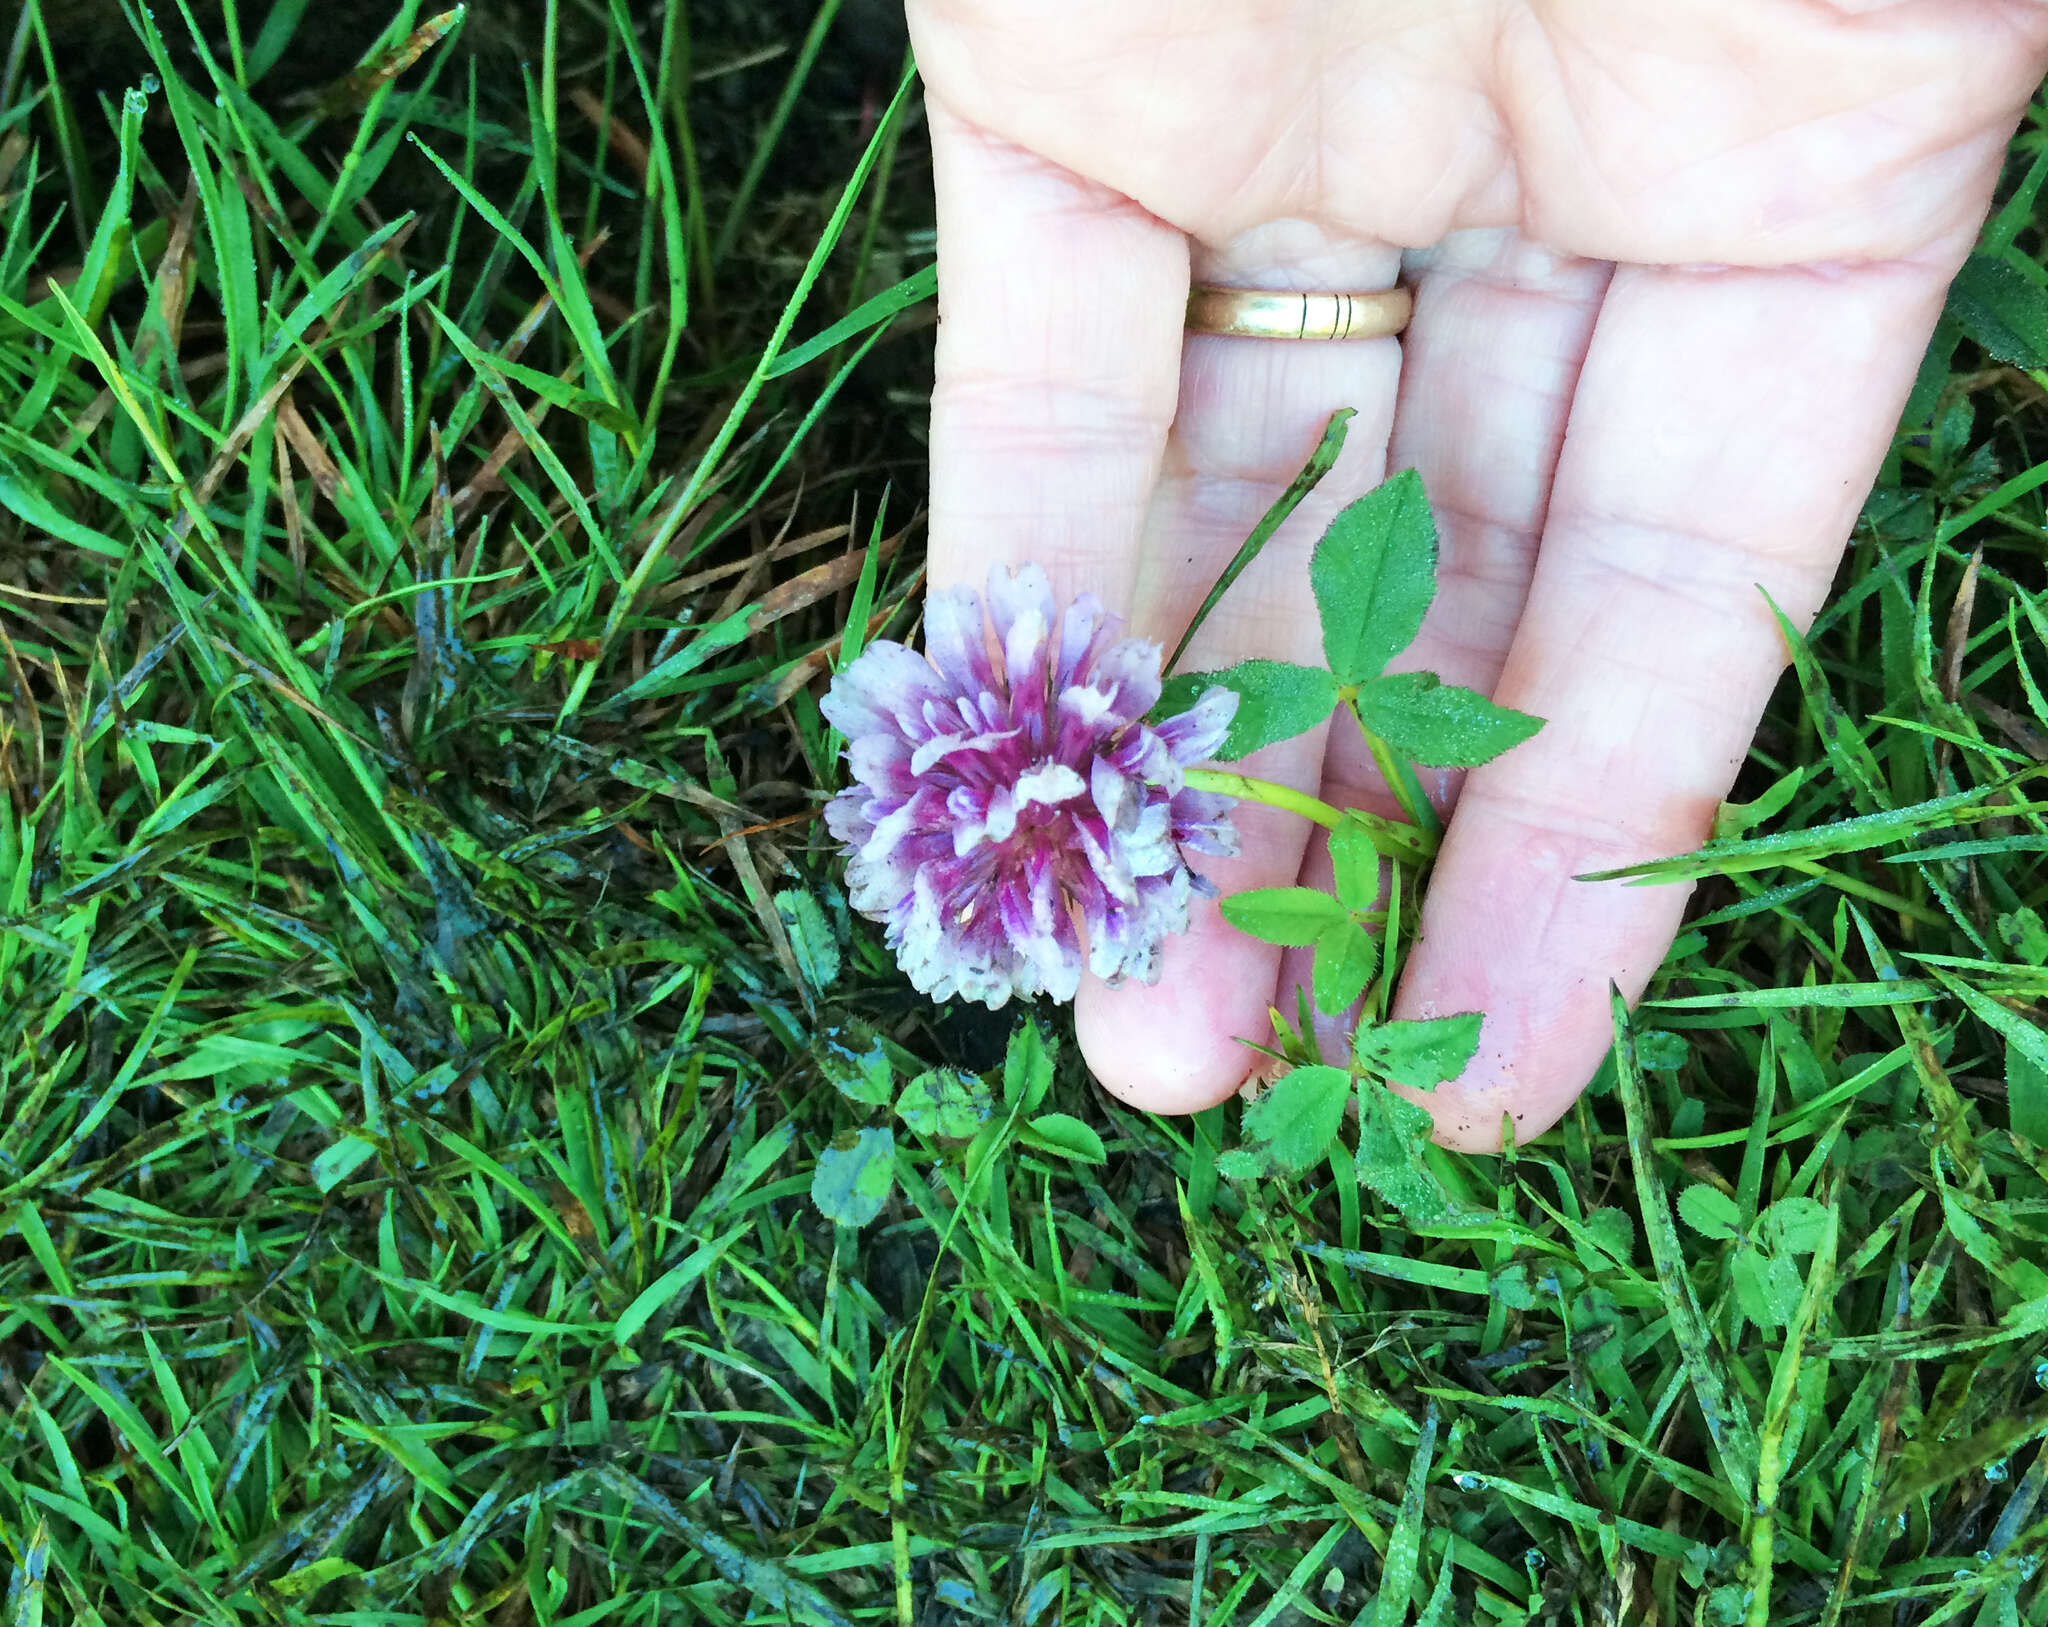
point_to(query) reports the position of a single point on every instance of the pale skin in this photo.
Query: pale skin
(1678, 265)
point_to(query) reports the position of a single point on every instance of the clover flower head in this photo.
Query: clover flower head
(1009, 797)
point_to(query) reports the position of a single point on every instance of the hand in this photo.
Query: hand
(1675, 267)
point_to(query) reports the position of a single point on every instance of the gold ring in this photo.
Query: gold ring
(1270, 313)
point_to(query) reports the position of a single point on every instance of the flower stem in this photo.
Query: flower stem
(1397, 841)
(1229, 783)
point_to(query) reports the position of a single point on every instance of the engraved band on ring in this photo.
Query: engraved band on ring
(1266, 313)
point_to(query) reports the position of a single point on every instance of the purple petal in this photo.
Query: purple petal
(1115, 797)
(1012, 594)
(1085, 629)
(1133, 935)
(1147, 848)
(887, 684)
(968, 804)
(1194, 735)
(1201, 823)
(1107, 861)
(921, 950)
(956, 640)
(940, 747)
(1026, 660)
(846, 818)
(1087, 716)
(883, 762)
(1218, 841)
(1130, 672)
(1144, 756)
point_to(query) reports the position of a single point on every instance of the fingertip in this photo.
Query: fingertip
(1184, 1043)
(1498, 1089)
(1469, 1112)
(1542, 987)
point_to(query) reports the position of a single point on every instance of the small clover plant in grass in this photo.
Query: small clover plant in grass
(1768, 1278)
(958, 1115)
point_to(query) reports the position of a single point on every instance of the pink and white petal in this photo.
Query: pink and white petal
(1195, 735)
(940, 747)
(1116, 798)
(1084, 628)
(1015, 593)
(1027, 659)
(848, 819)
(1086, 713)
(886, 688)
(956, 639)
(1129, 671)
(883, 763)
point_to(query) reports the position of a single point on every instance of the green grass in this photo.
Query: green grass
(425, 1001)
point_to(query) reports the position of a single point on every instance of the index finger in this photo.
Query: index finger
(1060, 312)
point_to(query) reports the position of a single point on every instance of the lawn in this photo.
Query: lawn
(442, 458)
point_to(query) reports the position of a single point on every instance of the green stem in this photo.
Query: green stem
(1397, 841)
(1399, 775)
(1229, 783)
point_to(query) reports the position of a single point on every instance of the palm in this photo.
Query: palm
(1602, 127)
(1574, 170)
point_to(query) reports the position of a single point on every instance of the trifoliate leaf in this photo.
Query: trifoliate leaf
(810, 937)
(1292, 916)
(945, 1103)
(1294, 1122)
(1661, 1051)
(1524, 1284)
(1421, 1055)
(1374, 574)
(2025, 935)
(1346, 957)
(853, 1177)
(1240, 1164)
(1275, 701)
(1767, 1286)
(852, 1058)
(1393, 1158)
(1440, 724)
(1607, 1233)
(1794, 1225)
